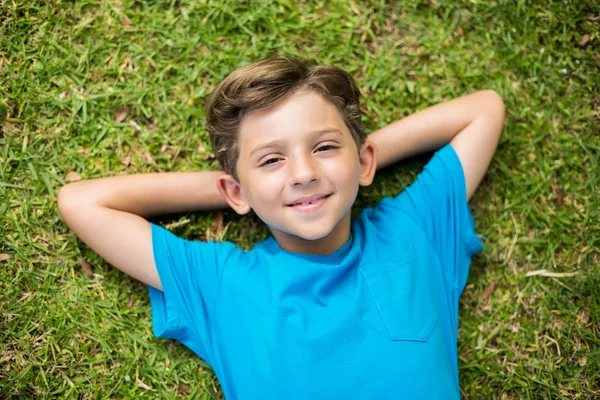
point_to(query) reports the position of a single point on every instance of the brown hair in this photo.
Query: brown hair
(265, 84)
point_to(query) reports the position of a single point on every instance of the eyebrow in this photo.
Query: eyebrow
(278, 142)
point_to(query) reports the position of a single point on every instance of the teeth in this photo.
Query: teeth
(308, 203)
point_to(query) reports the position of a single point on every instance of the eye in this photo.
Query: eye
(270, 161)
(327, 147)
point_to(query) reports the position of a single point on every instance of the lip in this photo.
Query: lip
(317, 201)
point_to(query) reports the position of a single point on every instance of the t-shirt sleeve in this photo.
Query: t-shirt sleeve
(190, 273)
(437, 201)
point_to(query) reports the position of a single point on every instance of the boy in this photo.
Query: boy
(325, 308)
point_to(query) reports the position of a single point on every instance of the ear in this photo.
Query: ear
(368, 163)
(232, 191)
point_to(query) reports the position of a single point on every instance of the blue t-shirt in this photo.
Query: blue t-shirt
(377, 319)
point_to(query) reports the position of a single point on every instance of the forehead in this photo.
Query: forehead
(293, 119)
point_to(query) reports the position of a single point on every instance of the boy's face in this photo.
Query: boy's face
(299, 170)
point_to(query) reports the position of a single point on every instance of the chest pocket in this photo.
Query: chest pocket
(401, 295)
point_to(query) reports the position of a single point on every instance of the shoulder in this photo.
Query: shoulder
(388, 213)
(423, 202)
(389, 221)
(440, 180)
(167, 246)
(444, 163)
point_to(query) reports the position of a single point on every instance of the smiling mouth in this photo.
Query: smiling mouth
(309, 202)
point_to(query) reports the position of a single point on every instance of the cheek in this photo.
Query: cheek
(344, 171)
(265, 186)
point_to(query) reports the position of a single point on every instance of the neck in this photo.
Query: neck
(324, 246)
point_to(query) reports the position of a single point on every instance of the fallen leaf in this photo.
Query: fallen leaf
(583, 318)
(585, 39)
(126, 23)
(184, 388)
(218, 223)
(121, 114)
(4, 257)
(167, 148)
(560, 195)
(130, 302)
(543, 272)
(73, 176)
(135, 125)
(142, 384)
(488, 291)
(149, 158)
(125, 161)
(87, 269)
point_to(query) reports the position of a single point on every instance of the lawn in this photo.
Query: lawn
(98, 88)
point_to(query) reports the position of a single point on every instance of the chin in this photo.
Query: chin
(313, 234)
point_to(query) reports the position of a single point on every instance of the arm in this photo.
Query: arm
(472, 124)
(108, 214)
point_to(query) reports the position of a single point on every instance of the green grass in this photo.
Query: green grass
(65, 70)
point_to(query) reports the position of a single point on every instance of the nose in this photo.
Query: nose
(303, 170)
